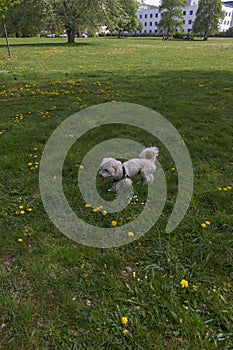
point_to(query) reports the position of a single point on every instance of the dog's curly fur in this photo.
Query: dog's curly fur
(144, 165)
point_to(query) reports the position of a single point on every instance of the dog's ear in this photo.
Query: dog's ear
(104, 161)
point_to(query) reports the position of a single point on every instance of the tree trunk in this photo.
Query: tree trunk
(7, 42)
(71, 36)
(119, 34)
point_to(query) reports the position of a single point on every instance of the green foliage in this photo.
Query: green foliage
(121, 15)
(209, 14)
(229, 32)
(5, 4)
(116, 15)
(30, 17)
(172, 15)
(26, 18)
(73, 14)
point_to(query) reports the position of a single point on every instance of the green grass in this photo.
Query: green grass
(57, 294)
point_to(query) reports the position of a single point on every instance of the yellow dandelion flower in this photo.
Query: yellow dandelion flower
(125, 331)
(195, 288)
(113, 223)
(17, 212)
(207, 222)
(20, 240)
(130, 234)
(81, 167)
(229, 187)
(184, 283)
(124, 320)
(225, 188)
(104, 212)
(29, 209)
(20, 206)
(173, 169)
(219, 188)
(203, 225)
(87, 205)
(95, 210)
(22, 212)
(29, 164)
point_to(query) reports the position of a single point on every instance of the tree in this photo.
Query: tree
(26, 18)
(74, 14)
(209, 14)
(121, 15)
(4, 4)
(172, 15)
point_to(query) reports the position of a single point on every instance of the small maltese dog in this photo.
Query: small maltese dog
(121, 173)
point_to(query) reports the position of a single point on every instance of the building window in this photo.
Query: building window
(145, 16)
(151, 15)
(191, 12)
(190, 21)
(150, 24)
(145, 31)
(155, 30)
(150, 31)
(183, 21)
(140, 16)
(156, 15)
(145, 24)
(226, 13)
(184, 13)
(156, 23)
(189, 30)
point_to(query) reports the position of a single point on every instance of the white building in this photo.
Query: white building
(150, 16)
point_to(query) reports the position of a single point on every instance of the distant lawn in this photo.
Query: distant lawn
(57, 294)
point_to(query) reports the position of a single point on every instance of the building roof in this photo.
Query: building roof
(227, 3)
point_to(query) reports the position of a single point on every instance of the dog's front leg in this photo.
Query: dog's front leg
(113, 188)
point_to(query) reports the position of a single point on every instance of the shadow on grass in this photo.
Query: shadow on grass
(13, 43)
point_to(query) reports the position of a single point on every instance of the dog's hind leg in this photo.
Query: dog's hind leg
(147, 178)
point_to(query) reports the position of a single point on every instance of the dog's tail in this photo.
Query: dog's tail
(150, 153)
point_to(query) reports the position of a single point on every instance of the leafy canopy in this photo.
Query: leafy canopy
(172, 15)
(208, 17)
(26, 18)
(4, 4)
(121, 15)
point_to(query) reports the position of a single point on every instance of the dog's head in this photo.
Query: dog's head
(110, 168)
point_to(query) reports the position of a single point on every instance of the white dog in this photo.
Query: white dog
(119, 172)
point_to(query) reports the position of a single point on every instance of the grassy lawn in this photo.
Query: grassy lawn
(58, 294)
